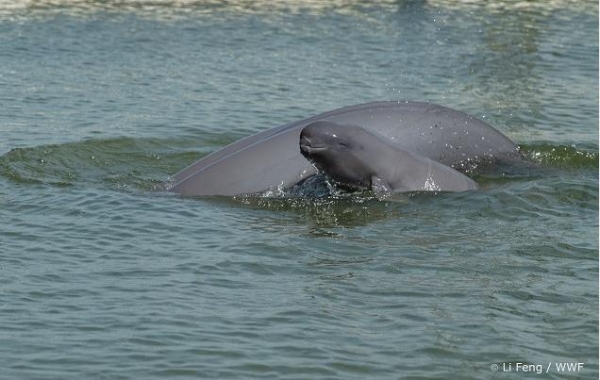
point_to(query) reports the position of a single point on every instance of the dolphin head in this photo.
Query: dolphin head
(336, 151)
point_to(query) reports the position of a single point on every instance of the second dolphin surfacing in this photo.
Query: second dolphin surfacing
(272, 160)
(358, 159)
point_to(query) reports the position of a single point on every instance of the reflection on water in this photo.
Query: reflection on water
(162, 8)
(173, 8)
(516, 59)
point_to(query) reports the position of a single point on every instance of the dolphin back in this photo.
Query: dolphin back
(272, 159)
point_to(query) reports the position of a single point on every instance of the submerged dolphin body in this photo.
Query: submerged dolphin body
(359, 159)
(271, 159)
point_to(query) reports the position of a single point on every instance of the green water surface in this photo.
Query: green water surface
(105, 275)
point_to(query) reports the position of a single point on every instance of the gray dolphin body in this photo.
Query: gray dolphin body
(271, 159)
(356, 158)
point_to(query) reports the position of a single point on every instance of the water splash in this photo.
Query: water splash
(563, 156)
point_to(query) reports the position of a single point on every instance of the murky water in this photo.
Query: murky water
(104, 275)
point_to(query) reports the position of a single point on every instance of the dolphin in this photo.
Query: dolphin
(359, 159)
(271, 160)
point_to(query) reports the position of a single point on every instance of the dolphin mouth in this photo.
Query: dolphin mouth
(307, 148)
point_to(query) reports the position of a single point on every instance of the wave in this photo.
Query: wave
(166, 8)
(563, 156)
(562, 184)
(120, 162)
(172, 8)
(148, 163)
